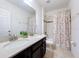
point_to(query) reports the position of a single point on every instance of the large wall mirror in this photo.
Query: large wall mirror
(16, 16)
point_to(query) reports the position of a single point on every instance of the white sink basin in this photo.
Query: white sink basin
(16, 44)
(26, 39)
(13, 44)
(3, 44)
(22, 39)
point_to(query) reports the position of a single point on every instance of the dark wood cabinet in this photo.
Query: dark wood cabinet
(37, 53)
(37, 50)
(28, 53)
(43, 48)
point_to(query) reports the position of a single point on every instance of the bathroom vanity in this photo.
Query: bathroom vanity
(32, 47)
(37, 50)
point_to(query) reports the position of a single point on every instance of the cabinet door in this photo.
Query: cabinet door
(44, 48)
(37, 53)
(19, 55)
(28, 53)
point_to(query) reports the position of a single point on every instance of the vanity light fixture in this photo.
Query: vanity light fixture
(27, 0)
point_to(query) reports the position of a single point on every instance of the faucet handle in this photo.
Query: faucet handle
(15, 36)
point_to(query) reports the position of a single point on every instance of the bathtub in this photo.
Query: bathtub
(49, 41)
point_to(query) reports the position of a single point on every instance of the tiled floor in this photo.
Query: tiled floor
(58, 53)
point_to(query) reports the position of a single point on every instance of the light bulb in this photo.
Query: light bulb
(28, 0)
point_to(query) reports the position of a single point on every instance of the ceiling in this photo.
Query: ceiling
(54, 4)
(21, 4)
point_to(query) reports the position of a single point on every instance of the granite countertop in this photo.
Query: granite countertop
(19, 45)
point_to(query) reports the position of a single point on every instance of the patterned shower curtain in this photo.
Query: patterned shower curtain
(63, 27)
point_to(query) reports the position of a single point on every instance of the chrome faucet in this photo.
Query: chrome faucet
(12, 37)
